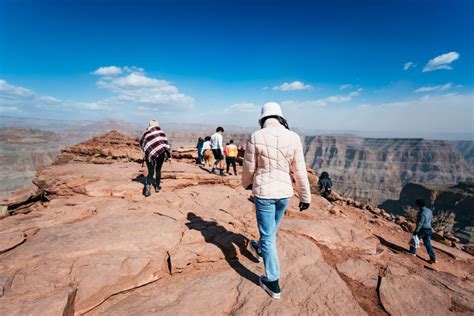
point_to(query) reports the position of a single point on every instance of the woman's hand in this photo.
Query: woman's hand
(303, 206)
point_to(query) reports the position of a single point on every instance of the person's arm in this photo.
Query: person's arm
(419, 222)
(250, 163)
(300, 174)
(219, 144)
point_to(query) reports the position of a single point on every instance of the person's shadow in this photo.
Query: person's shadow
(140, 178)
(225, 240)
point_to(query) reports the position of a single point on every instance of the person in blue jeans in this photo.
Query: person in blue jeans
(272, 153)
(423, 229)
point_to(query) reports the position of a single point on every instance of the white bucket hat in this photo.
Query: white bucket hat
(271, 109)
(153, 123)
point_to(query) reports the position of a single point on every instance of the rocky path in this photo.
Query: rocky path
(97, 246)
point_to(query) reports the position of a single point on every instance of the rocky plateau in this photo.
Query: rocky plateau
(85, 241)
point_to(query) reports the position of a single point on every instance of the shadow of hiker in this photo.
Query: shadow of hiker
(392, 246)
(140, 178)
(225, 240)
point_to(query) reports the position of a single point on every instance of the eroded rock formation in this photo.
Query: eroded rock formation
(376, 169)
(95, 245)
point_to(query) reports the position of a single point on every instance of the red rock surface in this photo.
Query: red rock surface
(98, 246)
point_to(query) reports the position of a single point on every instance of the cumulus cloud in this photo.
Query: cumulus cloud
(108, 71)
(292, 86)
(435, 88)
(131, 90)
(441, 62)
(134, 87)
(408, 65)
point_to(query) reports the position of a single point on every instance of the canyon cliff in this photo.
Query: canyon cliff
(376, 169)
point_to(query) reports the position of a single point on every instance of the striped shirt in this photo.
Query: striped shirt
(154, 143)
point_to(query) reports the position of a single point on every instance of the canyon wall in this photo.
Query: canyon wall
(22, 151)
(374, 170)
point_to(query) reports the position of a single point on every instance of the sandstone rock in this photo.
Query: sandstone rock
(360, 270)
(9, 241)
(410, 294)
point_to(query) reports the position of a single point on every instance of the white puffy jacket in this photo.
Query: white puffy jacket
(271, 153)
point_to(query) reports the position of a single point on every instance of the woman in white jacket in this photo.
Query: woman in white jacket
(271, 154)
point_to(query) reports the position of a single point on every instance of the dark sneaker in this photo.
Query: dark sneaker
(272, 288)
(213, 170)
(157, 189)
(147, 192)
(222, 174)
(255, 250)
(432, 261)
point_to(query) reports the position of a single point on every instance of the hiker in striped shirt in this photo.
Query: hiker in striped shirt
(157, 149)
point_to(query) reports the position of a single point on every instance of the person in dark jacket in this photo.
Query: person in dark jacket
(423, 229)
(325, 184)
(156, 149)
(199, 145)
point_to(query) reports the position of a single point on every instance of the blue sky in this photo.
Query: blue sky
(345, 63)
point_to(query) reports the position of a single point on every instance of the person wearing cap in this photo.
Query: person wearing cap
(156, 149)
(272, 153)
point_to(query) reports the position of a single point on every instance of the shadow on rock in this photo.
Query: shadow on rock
(140, 178)
(392, 246)
(226, 241)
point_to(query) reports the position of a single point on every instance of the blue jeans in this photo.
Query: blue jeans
(269, 215)
(425, 234)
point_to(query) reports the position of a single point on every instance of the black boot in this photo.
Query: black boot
(147, 191)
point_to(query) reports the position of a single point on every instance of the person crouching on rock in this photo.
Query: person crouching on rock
(271, 154)
(423, 229)
(325, 185)
(157, 149)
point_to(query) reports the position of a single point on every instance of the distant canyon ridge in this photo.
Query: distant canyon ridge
(371, 170)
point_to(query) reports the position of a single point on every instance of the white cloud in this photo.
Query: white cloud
(8, 91)
(49, 99)
(292, 86)
(131, 88)
(356, 93)
(108, 71)
(441, 62)
(345, 86)
(244, 107)
(134, 87)
(4, 109)
(335, 99)
(435, 88)
(408, 65)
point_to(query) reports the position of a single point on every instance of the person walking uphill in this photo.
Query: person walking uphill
(231, 156)
(217, 150)
(271, 154)
(423, 229)
(157, 149)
